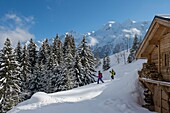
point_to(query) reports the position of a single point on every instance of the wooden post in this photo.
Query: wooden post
(159, 57)
(149, 59)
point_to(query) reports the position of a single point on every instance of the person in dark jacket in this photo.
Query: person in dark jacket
(100, 77)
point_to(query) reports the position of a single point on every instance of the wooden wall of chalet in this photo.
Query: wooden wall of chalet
(161, 100)
(160, 95)
(154, 56)
(165, 57)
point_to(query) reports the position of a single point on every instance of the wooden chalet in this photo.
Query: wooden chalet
(155, 74)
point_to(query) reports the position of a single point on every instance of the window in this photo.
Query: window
(165, 59)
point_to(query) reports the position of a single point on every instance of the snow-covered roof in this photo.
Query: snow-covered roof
(159, 22)
(165, 16)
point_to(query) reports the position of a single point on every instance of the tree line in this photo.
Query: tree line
(50, 68)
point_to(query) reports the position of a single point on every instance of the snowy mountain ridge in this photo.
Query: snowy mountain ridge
(111, 38)
(104, 40)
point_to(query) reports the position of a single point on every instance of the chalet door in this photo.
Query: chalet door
(165, 103)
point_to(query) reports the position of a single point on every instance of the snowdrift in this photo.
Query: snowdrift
(121, 95)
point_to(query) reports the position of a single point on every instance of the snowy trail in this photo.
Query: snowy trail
(120, 95)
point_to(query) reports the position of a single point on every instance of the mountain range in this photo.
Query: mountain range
(112, 37)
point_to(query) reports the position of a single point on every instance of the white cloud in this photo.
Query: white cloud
(14, 17)
(93, 41)
(16, 28)
(132, 31)
(29, 19)
(15, 35)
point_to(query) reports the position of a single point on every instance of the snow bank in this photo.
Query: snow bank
(120, 95)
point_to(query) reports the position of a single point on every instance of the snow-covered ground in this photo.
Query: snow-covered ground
(121, 95)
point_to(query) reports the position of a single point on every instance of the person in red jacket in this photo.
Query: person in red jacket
(100, 77)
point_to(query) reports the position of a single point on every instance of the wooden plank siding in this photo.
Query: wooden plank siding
(165, 54)
(164, 102)
(154, 56)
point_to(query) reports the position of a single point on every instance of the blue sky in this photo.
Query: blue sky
(39, 19)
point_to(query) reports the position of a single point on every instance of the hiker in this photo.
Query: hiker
(100, 77)
(112, 72)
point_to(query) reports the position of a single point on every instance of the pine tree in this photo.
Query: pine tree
(87, 60)
(32, 55)
(44, 53)
(35, 82)
(73, 46)
(57, 51)
(66, 80)
(67, 45)
(133, 50)
(60, 52)
(106, 62)
(18, 52)
(9, 78)
(56, 79)
(47, 74)
(78, 72)
(25, 74)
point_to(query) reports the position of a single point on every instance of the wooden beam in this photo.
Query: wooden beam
(164, 22)
(166, 34)
(159, 58)
(153, 42)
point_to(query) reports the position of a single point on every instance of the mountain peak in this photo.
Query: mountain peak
(129, 21)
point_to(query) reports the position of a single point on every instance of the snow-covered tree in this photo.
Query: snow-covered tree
(73, 46)
(78, 72)
(67, 45)
(32, 55)
(35, 82)
(9, 78)
(87, 60)
(56, 79)
(66, 80)
(106, 62)
(44, 53)
(18, 52)
(25, 74)
(133, 50)
(57, 51)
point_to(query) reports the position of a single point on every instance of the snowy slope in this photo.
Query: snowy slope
(122, 95)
